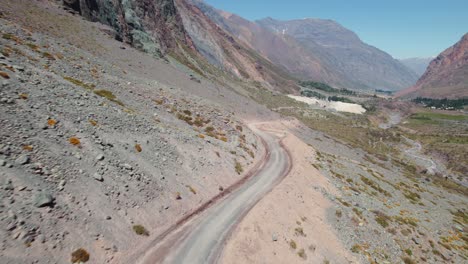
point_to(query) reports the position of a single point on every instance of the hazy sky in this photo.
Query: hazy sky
(403, 28)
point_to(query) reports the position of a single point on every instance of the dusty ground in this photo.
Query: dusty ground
(290, 223)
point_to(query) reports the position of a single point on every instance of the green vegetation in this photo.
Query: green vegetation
(80, 256)
(325, 87)
(435, 118)
(447, 104)
(140, 230)
(340, 99)
(309, 93)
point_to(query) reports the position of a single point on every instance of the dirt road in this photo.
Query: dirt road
(202, 239)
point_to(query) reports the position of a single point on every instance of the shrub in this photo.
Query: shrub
(300, 232)
(209, 129)
(356, 248)
(238, 167)
(138, 147)
(23, 96)
(409, 252)
(187, 119)
(223, 139)
(74, 141)
(301, 253)
(187, 112)
(79, 255)
(408, 260)
(382, 219)
(140, 230)
(339, 213)
(292, 244)
(201, 136)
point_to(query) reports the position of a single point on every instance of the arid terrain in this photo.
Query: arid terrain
(110, 153)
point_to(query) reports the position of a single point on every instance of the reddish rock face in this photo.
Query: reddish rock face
(446, 76)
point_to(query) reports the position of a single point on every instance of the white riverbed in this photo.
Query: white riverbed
(338, 106)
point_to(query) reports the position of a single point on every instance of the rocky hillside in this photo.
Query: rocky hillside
(358, 65)
(446, 76)
(417, 65)
(152, 26)
(102, 145)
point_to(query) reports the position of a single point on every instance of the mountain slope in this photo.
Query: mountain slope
(279, 49)
(359, 65)
(446, 76)
(417, 65)
(222, 49)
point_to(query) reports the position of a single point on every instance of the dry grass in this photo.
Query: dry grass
(108, 95)
(74, 141)
(51, 122)
(4, 75)
(93, 122)
(80, 83)
(191, 189)
(138, 148)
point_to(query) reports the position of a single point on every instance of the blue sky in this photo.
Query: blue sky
(403, 28)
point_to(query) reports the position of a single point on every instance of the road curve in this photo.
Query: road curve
(203, 239)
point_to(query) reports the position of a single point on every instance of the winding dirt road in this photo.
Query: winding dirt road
(201, 239)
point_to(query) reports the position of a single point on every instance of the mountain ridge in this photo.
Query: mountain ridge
(446, 75)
